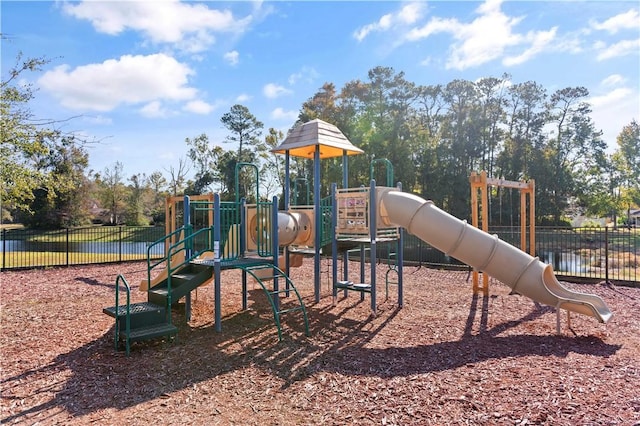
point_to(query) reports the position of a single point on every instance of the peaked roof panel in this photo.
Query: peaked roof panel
(302, 141)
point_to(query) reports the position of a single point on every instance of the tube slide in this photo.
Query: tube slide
(525, 275)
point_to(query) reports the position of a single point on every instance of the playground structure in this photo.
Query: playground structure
(265, 243)
(479, 182)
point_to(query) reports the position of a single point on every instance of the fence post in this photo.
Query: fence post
(606, 255)
(120, 243)
(67, 246)
(4, 248)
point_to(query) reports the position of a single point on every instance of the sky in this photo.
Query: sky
(140, 77)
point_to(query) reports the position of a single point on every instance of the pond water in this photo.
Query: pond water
(561, 261)
(565, 261)
(81, 247)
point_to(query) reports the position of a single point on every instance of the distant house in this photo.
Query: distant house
(579, 221)
(98, 214)
(634, 216)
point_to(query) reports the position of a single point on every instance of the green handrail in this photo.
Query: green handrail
(327, 231)
(305, 181)
(263, 236)
(185, 244)
(388, 168)
(162, 240)
(127, 321)
(229, 216)
(269, 293)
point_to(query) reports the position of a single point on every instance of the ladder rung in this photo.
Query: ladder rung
(285, 290)
(267, 278)
(297, 308)
(253, 268)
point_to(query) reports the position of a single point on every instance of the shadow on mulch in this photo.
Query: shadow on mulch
(93, 282)
(101, 378)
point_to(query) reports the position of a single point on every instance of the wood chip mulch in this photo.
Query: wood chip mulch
(445, 357)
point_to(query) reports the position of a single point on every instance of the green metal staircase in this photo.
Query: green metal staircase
(152, 319)
(179, 284)
(270, 273)
(137, 321)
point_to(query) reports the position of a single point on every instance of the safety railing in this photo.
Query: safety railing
(326, 232)
(590, 253)
(577, 253)
(29, 248)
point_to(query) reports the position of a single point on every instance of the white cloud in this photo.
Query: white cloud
(100, 120)
(306, 74)
(127, 80)
(629, 20)
(272, 90)
(611, 98)
(281, 114)
(540, 41)
(232, 57)
(569, 42)
(383, 24)
(243, 97)
(407, 15)
(488, 37)
(199, 107)
(154, 110)
(613, 110)
(188, 25)
(428, 61)
(410, 13)
(613, 80)
(621, 48)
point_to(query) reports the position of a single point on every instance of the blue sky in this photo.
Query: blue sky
(141, 76)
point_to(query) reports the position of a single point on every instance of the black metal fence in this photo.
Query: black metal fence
(581, 253)
(27, 248)
(578, 253)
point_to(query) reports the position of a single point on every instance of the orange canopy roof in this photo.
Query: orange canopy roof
(302, 141)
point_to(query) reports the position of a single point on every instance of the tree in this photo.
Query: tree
(41, 167)
(273, 166)
(62, 199)
(435, 136)
(425, 123)
(205, 158)
(114, 193)
(158, 183)
(389, 104)
(602, 194)
(322, 105)
(244, 127)
(178, 177)
(138, 203)
(525, 120)
(227, 169)
(568, 155)
(491, 91)
(629, 156)
(627, 160)
(23, 139)
(460, 149)
(245, 131)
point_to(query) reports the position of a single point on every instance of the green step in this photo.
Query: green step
(150, 332)
(183, 281)
(134, 309)
(348, 285)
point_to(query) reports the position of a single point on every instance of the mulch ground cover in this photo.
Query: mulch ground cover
(445, 357)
